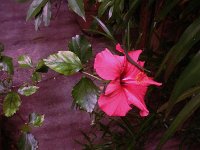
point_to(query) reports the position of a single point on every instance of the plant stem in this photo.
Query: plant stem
(86, 73)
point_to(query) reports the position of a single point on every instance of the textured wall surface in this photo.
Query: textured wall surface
(62, 123)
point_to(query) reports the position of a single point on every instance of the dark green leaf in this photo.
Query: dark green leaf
(35, 8)
(85, 94)
(190, 37)
(11, 104)
(36, 120)
(78, 7)
(36, 77)
(27, 142)
(185, 113)
(25, 61)
(46, 13)
(41, 67)
(167, 8)
(26, 128)
(104, 6)
(1, 47)
(27, 90)
(64, 62)
(6, 64)
(188, 78)
(105, 29)
(81, 47)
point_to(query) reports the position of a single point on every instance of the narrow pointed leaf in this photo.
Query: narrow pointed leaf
(81, 47)
(169, 5)
(11, 104)
(184, 114)
(85, 94)
(105, 29)
(188, 78)
(190, 37)
(35, 8)
(64, 62)
(104, 6)
(25, 61)
(78, 7)
(27, 90)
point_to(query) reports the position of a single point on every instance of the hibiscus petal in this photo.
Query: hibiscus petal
(115, 104)
(119, 48)
(108, 66)
(150, 81)
(135, 95)
(112, 87)
(135, 54)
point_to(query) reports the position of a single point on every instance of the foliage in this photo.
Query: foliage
(169, 34)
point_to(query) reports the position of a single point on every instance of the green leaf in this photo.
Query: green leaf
(36, 77)
(6, 64)
(35, 8)
(38, 21)
(81, 47)
(41, 67)
(105, 29)
(25, 128)
(78, 7)
(170, 4)
(188, 78)
(27, 142)
(1, 47)
(64, 62)
(104, 6)
(85, 94)
(11, 104)
(36, 120)
(27, 90)
(184, 114)
(189, 38)
(25, 61)
(46, 13)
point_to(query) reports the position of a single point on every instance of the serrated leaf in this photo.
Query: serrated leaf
(46, 13)
(36, 77)
(64, 62)
(78, 7)
(184, 114)
(41, 67)
(81, 47)
(27, 90)
(6, 64)
(11, 104)
(85, 94)
(36, 120)
(35, 8)
(27, 142)
(25, 61)
(188, 78)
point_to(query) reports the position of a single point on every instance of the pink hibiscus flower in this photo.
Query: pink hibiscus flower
(128, 84)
